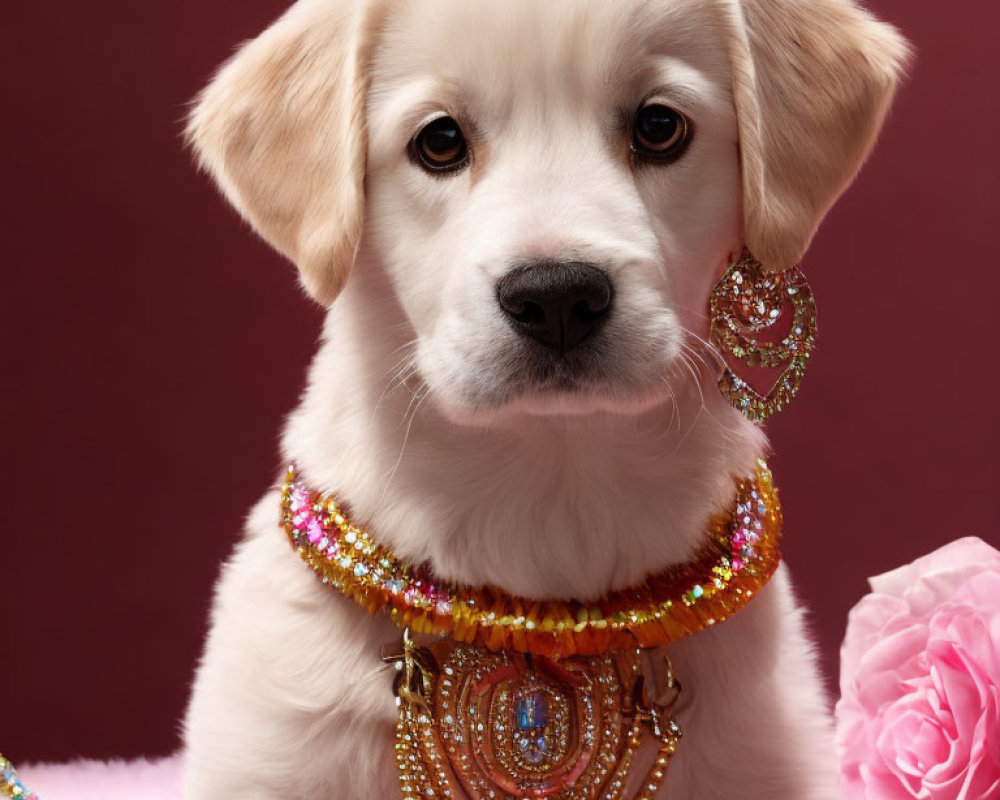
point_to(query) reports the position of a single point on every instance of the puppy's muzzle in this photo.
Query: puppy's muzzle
(557, 303)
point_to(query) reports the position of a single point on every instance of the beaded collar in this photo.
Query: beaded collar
(739, 556)
(517, 698)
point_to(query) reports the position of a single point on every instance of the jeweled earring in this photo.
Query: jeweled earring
(747, 302)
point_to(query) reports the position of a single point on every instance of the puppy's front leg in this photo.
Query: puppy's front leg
(755, 717)
(291, 699)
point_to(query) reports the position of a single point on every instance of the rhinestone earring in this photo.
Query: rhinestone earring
(748, 301)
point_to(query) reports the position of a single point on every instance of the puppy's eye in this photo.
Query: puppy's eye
(440, 146)
(660, 132)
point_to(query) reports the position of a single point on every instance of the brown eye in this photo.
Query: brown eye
(660, 132)
(440, 146)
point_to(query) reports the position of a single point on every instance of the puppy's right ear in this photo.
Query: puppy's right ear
(281, 129)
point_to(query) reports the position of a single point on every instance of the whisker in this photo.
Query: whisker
(675, 406)
(416, 400)
(398, 374)
(707, 348)
(695, 374)
(411, 344)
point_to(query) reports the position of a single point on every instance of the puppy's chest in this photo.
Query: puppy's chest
(501, 696)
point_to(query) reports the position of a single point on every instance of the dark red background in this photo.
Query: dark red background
(152, 347)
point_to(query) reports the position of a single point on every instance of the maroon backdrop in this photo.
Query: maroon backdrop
(152, 346)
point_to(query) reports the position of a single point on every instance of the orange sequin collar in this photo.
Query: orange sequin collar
(739, 556)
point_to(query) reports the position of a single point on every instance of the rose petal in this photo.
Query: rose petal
(911, 743)
(880, 784)
(866, 622)
(933, 578)
(982, 593)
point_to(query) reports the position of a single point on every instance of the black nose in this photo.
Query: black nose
(556, 303)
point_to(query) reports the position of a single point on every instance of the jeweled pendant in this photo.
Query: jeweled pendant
(502, 725)
(746, 302)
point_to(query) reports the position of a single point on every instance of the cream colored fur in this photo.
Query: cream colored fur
(417, 409)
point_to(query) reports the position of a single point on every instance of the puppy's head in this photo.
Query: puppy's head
(552, 188)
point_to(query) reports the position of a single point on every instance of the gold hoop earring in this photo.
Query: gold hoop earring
(747, 301)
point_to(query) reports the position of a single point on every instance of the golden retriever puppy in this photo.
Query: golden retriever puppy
(423, 161)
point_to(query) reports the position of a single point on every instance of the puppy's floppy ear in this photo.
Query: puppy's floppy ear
(281, 129)
(812, 82)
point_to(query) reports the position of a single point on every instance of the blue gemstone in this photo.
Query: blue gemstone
(532, 712)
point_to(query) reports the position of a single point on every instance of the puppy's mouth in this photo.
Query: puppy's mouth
(537, 368)
(529, 378)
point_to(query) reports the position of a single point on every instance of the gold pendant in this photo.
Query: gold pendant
(504, 725)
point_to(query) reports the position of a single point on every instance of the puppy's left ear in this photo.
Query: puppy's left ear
(812, 82)
(281, 129)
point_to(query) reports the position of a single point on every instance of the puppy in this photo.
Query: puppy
(415, 157)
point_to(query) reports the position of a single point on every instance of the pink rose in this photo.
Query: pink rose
(919, 714)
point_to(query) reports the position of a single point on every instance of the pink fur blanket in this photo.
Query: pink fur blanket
(97, 780)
